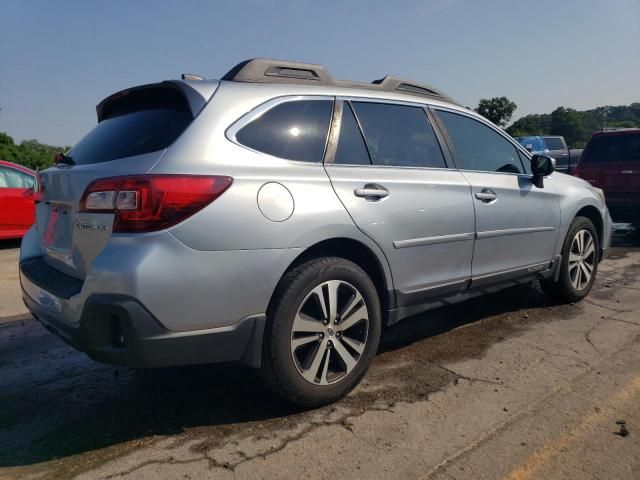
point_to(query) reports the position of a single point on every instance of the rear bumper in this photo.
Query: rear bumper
(119, 330)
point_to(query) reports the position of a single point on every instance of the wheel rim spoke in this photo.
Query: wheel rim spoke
(356, 345)
(345, 356)
(311, 372)
(333, 299)
(300, 341)
(322, 349)
(357, 316)
(305, 324)
(354, 302)
(585, 271)
(325, 369)
(589, 250)
(319, 296)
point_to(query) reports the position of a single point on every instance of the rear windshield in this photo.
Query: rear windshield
(613, 148)
(553, 143)
(140, 122)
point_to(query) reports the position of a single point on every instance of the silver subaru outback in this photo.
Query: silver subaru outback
(280, 218)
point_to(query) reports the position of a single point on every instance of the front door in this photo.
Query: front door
(516, 223)
(16, 202)
(398, 188)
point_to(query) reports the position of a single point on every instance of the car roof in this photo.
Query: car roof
(22, 168)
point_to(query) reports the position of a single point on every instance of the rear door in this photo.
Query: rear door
(388, 169)
(516, 222)
(612, 162)
(16, 202)
(135, 128)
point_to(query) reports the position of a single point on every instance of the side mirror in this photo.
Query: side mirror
(541, 166)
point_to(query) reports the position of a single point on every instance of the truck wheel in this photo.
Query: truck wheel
(322, 331)
(580, 257)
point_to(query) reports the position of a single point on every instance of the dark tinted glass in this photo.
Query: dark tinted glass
(131, 134)
(525, 162)
(613, 148)
(479, 147)
(399, 135)
(133, 123)
(292, 130)
(553, 143)
(351, 147)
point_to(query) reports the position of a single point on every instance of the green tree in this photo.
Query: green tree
(569, 123)
(531, 125)
(498, 109)
(29, 153)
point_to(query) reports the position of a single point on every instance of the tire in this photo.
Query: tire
(304, 356)
(569, 288)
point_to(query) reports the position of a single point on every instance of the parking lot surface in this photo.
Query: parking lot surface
(503, 386)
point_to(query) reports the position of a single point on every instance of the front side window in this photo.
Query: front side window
(399, 135)
(479, 147)
(295, 130)
(11, 178)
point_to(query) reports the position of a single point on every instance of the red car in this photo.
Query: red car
(17, 206)
(611, 161)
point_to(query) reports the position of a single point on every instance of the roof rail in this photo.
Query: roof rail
(191, 76)
(391, 83)
(278, 71)
(263, 70)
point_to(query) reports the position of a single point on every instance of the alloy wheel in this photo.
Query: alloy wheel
(582, 259)
(329, 332)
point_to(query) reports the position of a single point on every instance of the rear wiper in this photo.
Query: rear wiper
(63, 158)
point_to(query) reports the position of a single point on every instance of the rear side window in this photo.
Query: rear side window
(612, 148)
(553, 143)
(294, 130)
(12, 178)
(479, 147)
(140, 122)
(399, 135)
(351, 147)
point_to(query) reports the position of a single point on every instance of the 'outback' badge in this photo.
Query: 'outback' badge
(91, 226)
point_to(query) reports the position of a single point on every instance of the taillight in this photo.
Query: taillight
(146, 203)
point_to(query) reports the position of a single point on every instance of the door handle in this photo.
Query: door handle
(371, 191)
(486, 195)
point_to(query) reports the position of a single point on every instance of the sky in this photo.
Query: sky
(60, 58)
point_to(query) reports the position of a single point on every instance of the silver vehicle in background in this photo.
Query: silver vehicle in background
(281, 218)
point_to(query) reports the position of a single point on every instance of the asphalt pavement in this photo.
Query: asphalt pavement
(503, 386)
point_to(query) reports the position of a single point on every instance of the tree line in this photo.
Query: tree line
(29, 153)
(575, 126)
